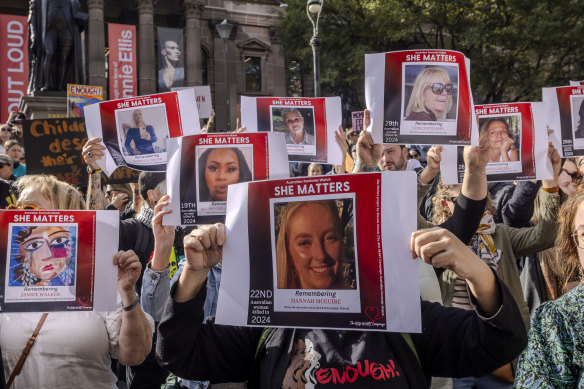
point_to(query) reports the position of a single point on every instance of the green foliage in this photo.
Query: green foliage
(515, 46)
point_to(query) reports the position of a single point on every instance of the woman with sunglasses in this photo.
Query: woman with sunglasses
(73, 349)
(431, 97)
(553, 355)
(5, 134)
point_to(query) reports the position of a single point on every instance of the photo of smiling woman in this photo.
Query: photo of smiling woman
(43, 256)
(315, 245)
(500, 132)
(431, 96)
(218, 168)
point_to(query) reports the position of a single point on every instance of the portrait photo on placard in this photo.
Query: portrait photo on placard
(220, 166)
(41, 255)
(577, 103)
(297, 124)
(142, 131)
(430, 92)
(504, 136)
(314, 244)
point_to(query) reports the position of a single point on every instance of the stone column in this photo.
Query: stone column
(146, 55)
(96, 45)
(193, 9)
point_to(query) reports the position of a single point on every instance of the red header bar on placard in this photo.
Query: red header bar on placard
(122, 61)
(13, 63)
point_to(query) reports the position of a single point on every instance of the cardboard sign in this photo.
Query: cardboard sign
(517, 144)
(53, 146)
(135, 130)
(51, 261)
(78, 96)
(308, 124)
(203, 98)
(361, 276)
(420, 97)
(202, 167)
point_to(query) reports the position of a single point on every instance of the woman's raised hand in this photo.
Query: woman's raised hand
(204, 247)
(129, 268)
(93, 151)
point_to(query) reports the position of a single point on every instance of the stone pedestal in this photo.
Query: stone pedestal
(47, 106)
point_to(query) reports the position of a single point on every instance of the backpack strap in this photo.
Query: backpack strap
(407, 337)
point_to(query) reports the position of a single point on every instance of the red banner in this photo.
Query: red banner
(13, 63)
(122, 61)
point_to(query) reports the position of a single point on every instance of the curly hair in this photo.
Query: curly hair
(61, 194)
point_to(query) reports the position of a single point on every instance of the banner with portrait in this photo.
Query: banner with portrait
(78, 96)
(420, 97)
(53, 146)
(564, 118)
(135, 130)
(322, 252)
(202, 167)
(123, 70)
(203, 98)
(308, 124)
(518, 144)
(171, 63)
(58, 260)
(13, 62)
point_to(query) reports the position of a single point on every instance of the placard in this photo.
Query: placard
(51, 260)
(78, 96)
(357, 120)
(308, 124)
(13, 62)
(576, 83)
(322, 252)
(53, 146)
(202, 167)
(420, 97)
(203, 98)
(135, 130)
(564, 118)
(517, 141)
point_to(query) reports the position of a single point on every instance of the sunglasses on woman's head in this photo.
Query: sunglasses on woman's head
(576, 176)
(438, 88)
(27, 206)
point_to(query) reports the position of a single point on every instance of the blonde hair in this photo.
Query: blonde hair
(60, 194)
(416, 103)
(287, 274)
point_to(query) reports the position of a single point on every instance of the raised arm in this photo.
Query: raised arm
(92, 152)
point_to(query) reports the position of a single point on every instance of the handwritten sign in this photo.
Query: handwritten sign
(53, 146)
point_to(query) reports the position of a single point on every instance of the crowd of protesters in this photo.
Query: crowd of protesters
(500, 268)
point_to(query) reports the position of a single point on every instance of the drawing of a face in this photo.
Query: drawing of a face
(314, 246)
(222, 169)
(47, 249)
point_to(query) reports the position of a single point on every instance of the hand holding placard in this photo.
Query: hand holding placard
(92, 152)
(203, 250)
(441, 249)
(556, 160)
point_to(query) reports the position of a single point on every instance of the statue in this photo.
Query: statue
(55, 49)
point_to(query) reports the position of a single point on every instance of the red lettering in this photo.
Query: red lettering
(323, 376)
(351, 369)
(364, 372)
(376, 371)
(337, 377)
(388, 371)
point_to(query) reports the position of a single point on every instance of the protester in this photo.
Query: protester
(120, 197)
(551, 358)
(15, 122)
(86, 341)
(14, 150)
(570, 177)
(431, 97)
(498, 246)
(352, 137)
(315, 169)
(6, 167)
(5, 135)
(501, 140)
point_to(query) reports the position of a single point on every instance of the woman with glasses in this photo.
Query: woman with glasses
(5, 134)
(553, 355)
(498, 245)
(570, 177)
(431, 97)
(501, 140)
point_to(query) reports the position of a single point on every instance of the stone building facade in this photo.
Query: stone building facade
(255, 61)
